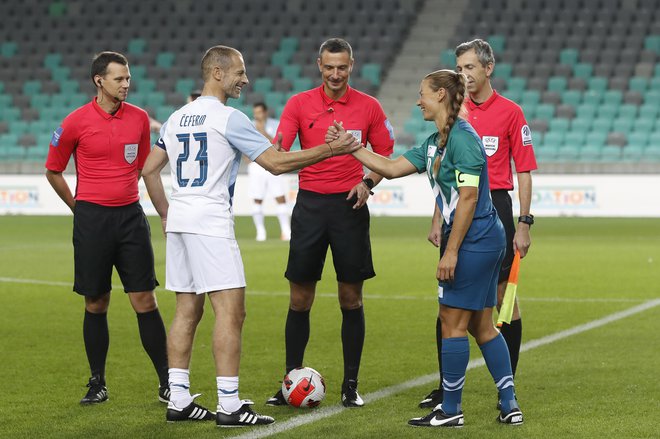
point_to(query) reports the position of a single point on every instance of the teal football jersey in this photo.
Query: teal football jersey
(462, 158)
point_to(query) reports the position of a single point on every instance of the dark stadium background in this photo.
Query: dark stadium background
(586, 73)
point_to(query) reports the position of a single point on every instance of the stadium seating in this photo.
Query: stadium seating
(46, 53)
(594, 65)
(587, 74)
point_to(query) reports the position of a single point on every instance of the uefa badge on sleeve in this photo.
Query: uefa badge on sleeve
(57, 135)
(526, 135)
(130, 152)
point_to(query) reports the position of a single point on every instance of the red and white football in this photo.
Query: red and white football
(303, 387)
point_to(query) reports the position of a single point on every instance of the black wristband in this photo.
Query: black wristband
(526, 219)
(369, 183)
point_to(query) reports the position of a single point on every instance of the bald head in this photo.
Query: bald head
(218, 56)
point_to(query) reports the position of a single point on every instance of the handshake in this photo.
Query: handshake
(339, 141)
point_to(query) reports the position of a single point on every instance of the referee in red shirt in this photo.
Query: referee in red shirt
(109, 140)
(331, 209)
(505, 134)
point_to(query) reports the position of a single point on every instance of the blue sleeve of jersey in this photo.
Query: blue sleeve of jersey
(160, 142)
(243, 136)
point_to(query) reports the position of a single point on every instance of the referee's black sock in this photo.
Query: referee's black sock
(296, 336)
(438, 341)
(512, 333)
(352, 338)
(97, 340)
(154, 341)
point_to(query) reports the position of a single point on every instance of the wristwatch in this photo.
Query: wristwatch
(527, 219)
(370, 184)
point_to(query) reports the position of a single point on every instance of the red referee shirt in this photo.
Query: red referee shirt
(504, 132)
(108, 149)
(310, 113)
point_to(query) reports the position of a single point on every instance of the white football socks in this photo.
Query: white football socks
(283, 218)
(228, 394)
(179, 381)
(258, 218)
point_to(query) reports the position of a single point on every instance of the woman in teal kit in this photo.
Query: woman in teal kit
(455, 163)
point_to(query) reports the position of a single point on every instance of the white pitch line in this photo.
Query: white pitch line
(433, 297)
(575, 299)
(430, 297)
(590, 325)
(13, 280)
(326, 412)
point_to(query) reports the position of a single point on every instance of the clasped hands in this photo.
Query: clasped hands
(339, 141)
(334, 131)
(360, 192)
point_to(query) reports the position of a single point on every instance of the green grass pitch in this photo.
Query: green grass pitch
(599, 383)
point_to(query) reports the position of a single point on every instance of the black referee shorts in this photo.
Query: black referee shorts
(322, 220)
(104, 237)
(502, 202)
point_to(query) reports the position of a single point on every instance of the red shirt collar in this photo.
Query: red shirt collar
(484, 105)
(104, 114)
(342, 100)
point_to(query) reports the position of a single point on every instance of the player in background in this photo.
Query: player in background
(204, 141)
(501, 125)
(331, 209)
(455, 163)
(193, 95)
(263, 183)
(109, 140)
(154, 125)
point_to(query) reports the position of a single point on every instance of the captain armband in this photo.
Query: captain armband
(463, 179)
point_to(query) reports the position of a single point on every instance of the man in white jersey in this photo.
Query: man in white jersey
(204, 141)
(263, 183)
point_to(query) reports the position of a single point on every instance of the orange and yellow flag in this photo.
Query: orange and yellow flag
(506, 310)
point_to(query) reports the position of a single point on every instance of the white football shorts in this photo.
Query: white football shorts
(263, 184)
(202, 264)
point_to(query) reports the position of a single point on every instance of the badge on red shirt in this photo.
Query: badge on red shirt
(357, 134)
(526, 134)
(491, 144)
(130, 152)
(55, 140)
